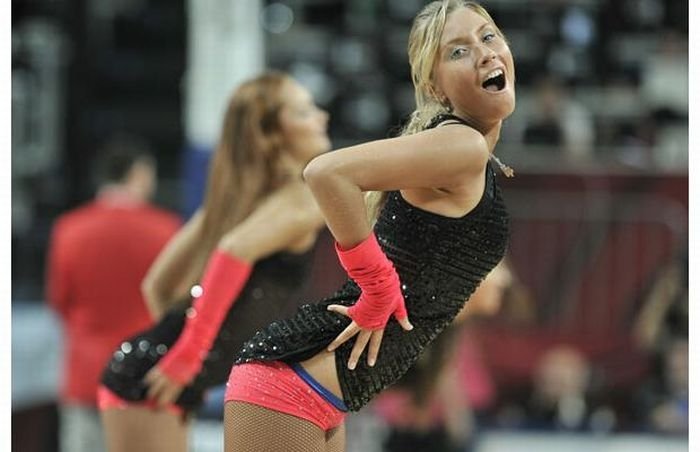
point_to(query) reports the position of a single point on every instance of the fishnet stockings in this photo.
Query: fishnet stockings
(251, 428)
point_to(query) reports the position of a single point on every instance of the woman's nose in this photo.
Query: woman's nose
(488, 55)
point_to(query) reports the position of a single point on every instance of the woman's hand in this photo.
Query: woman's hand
(364, 337)
(161, 388)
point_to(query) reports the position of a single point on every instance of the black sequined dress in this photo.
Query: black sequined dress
(440, 262)
(272, 292)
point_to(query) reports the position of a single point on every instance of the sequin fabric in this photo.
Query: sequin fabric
(272, 292)
(440, 262)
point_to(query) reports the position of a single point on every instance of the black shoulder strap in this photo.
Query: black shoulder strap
(444, 117)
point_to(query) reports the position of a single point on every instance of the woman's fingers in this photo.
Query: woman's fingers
(155, 385)
(162, 397)
(169, 394)
(405, 324)
(151, 375)
(375, 341)
(339, 308)
(371, 337)
(161, 389)
(347, 333)
(358, 348)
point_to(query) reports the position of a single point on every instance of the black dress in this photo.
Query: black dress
(273, 291)
(440, 262)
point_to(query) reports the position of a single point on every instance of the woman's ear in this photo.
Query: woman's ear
(275, 139)
(435, 92)
(439, 96)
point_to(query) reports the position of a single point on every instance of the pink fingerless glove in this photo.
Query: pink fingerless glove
(223, 280)
(381, 295)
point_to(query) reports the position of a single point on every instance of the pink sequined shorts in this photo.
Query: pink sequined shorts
(107, 399)
(276, 386)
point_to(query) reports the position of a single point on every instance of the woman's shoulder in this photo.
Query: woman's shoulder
(295, 194)
(294, 201)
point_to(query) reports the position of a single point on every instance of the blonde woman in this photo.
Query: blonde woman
(441, 227)
(246, 248)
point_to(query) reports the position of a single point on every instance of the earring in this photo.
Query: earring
(446, 104)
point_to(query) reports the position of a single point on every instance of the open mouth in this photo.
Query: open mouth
(495, 81)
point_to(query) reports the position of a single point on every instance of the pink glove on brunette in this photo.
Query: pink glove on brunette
(222, 282)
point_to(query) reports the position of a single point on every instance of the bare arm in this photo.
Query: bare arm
(447, 156)
(165, 280)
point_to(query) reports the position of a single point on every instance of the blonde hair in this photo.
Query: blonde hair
(246, 164)
(423, 51)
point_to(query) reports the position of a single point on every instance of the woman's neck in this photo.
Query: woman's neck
(291, 166)
(492, 135)
(490, 131)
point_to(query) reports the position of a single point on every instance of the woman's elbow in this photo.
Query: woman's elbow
(152, 297)
(317, 171)
(149, 288)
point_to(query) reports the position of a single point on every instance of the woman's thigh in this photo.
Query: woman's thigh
(252, 428)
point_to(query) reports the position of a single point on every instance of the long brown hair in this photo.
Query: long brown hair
(246, 165)
(423, 48)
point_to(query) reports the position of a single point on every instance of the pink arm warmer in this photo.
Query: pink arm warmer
(222, 282)
(381, 295)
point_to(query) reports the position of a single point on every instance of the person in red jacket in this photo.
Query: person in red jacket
(98, 255)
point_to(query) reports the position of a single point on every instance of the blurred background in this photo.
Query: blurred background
(586, 346)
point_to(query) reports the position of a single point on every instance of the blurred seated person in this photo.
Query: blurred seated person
(661, 328)
(664, 311)
(559, 398)
(664, 77)
(558, 122)
(669, 409)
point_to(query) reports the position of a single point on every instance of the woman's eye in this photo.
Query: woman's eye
(458, 52)
(489, 37)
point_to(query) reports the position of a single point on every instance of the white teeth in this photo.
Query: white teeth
(494, 73)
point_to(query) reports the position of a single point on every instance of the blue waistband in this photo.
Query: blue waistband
(318, 387)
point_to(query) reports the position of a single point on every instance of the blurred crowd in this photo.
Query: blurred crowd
(565, 389)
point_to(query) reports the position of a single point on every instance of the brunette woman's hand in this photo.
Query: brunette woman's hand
(161, 388)
(364, 337)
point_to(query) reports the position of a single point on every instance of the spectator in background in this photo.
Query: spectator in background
(98, 255)
(661, 329)
(664, 83)
(664, 311)
(664, 87)
(559, 122)
(558, 396)
(669, 407)
(560, 392)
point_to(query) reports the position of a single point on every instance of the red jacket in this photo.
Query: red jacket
(98, 256)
